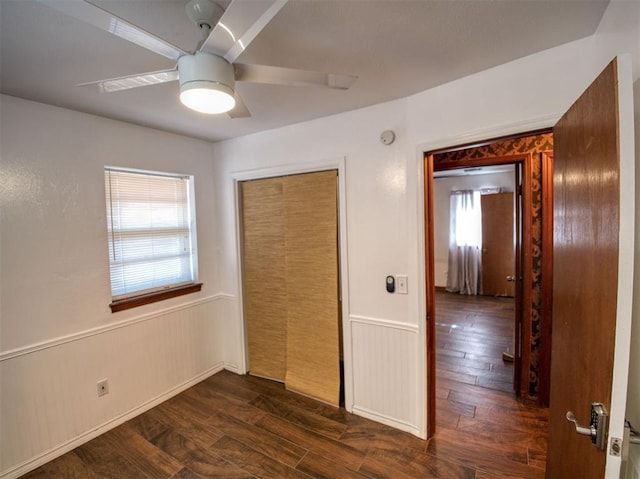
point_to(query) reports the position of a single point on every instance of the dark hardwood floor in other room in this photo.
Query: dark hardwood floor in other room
(472, 333)
(231, 426)
(475, 403)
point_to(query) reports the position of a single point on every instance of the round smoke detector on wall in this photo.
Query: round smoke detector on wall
(387, 137)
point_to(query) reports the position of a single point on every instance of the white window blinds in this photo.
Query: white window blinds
(151, 229)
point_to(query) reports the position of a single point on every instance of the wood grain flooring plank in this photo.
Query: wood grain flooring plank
(185, 425)
(461, 409)
(140, 452)
(186, 473)
(299, 416)
(231, 405)
(253, 461)
(383, 464)
(451, 354)
(175, 444)
(478, 396)
(69, 466)
(460, 377)
(501, 433)
(495, 447)
(494, 475)
(461, 360)
(529, 418)
(339, 452)
(496, 383)
(147, 426)
(492, 350)
(319, 467)
(208, 464)
(372, 435)
(225, 382)
(463, 367)
(107, 462)
(260, 440)
(277, 391)
(462, 450)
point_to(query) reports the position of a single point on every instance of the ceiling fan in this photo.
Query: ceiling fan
(207, 75)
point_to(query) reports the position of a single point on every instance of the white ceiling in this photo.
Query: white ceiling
(395, 47)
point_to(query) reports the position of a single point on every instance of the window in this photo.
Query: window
(466, 218)
(151, 235)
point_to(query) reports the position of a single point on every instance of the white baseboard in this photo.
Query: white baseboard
(389, 421)
(234, 368)
(67, 446)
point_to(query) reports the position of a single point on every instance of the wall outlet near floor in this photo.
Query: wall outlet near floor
(103, 387)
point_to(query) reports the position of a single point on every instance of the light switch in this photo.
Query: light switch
(401, 284)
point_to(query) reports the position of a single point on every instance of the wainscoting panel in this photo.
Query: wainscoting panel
(49, 402)
(385, 369)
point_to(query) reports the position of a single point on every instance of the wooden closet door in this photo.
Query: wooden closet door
(265, 293)
(311, 255)
(498, 245)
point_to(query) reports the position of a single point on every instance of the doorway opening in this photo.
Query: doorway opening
(476, 230)
(528, 158)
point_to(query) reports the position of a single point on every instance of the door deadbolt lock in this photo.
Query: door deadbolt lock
(597, 429)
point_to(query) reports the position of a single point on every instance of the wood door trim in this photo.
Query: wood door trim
(544, 372)
(478, 144)
(489, 161)
(431, 293)
(525, 283)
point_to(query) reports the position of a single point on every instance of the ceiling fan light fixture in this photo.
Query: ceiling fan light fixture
(207, 97)
(206, 83)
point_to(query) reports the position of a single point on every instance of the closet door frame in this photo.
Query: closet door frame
(343, 279)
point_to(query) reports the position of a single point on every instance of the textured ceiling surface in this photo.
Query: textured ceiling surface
(395, 47)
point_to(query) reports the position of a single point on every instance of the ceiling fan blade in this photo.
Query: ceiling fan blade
(134, 81)
(291, 76)
(240, 24)
(240, 110)
(96, 16)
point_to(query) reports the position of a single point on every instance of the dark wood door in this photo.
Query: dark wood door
(498, 246)
(585, 274)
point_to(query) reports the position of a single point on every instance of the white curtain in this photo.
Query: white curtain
(465, 243)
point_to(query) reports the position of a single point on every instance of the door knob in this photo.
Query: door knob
(586, 431)
(510, 279)
(597, 430)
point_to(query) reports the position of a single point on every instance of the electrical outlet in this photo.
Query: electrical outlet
(103, 387)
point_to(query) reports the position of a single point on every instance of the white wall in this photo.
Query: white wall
(384, 202)
(442, 188)
(58, 336)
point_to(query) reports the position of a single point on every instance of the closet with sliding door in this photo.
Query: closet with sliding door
(290, 278)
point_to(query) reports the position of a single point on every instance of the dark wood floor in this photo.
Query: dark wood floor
(472, 334)
(231, 426)
(475, 403)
